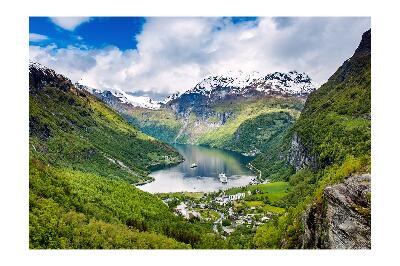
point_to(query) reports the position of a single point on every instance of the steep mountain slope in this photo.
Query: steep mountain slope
(83, 160)
(214, 112)
(329, 144)
(336, 120)
(69, 126)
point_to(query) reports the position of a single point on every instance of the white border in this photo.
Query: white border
(14, 130)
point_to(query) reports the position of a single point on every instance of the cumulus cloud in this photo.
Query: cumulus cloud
(72, 62)
(69, 23)
(173, 54)
(34, 37)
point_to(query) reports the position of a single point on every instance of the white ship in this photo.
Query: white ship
(223, 178)
(193, 165)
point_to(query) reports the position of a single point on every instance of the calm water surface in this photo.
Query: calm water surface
(210, 162)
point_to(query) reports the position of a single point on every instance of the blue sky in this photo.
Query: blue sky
(98, 32)
(157, 56)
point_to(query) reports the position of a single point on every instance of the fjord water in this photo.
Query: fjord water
(210, 162)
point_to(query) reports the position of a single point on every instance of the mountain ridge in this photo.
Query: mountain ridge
(231, 84)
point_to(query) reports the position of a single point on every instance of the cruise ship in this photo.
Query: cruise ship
(223, 178)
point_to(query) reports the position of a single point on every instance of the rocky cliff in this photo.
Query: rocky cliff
(299, 155)
(335, 125)
(343, 219)
(335, 121)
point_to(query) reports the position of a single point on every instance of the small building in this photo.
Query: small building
(227, 230)
(182, 210)
(237, 196)
(264, 219)
(230, 211)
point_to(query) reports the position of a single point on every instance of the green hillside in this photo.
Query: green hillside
(252, 126)
(335, 128)
(161, 124)
(253, 123)
(73, 129)
(83, 160)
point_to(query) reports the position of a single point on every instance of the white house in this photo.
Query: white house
(187, 214)
(237, 196)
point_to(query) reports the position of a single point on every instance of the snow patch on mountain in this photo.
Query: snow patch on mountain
(124, 98)
(232, 79)
(291, 83)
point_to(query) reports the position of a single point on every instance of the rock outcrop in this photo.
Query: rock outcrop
(343, 219)
(41, 76)
(299, 156)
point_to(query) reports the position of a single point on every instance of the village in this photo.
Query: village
(225, 210)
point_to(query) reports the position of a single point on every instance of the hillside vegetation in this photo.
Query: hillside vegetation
(83, 160)
(335, 131)
(73, 129)
(161, 124)
(249, 126)
(252, 123)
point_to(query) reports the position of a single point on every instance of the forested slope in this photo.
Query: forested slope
(83, 160)
(329, 144)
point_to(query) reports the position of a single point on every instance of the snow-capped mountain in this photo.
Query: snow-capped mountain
(211, 89)
(116, 97)
(231, 80)
(239, 85)
(113, 97)
(291, 83)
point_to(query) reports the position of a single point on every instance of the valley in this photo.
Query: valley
(210, 162)
(109, 170)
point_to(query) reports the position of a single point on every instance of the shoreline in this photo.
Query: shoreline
(153, 168)
(253, 175)
(145, 182)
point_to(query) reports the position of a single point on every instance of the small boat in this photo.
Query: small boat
(223, 178)
(193, 165)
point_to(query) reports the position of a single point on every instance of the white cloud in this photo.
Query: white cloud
(34, 37)
(71, 61)
(173, 54)
(69, 23)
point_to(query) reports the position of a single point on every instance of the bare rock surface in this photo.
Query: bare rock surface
(343, 219)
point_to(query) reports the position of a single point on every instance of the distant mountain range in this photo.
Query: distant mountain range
(238, 86)
(214, 88)
(291, 83)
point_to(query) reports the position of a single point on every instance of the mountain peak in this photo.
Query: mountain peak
(41, 76)
(239, 82)
(364, 48)
(117, 96)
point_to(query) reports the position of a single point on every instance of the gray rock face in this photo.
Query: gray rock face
(343, 219)
(299, 156)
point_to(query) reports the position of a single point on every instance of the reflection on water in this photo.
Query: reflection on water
(210, 162)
